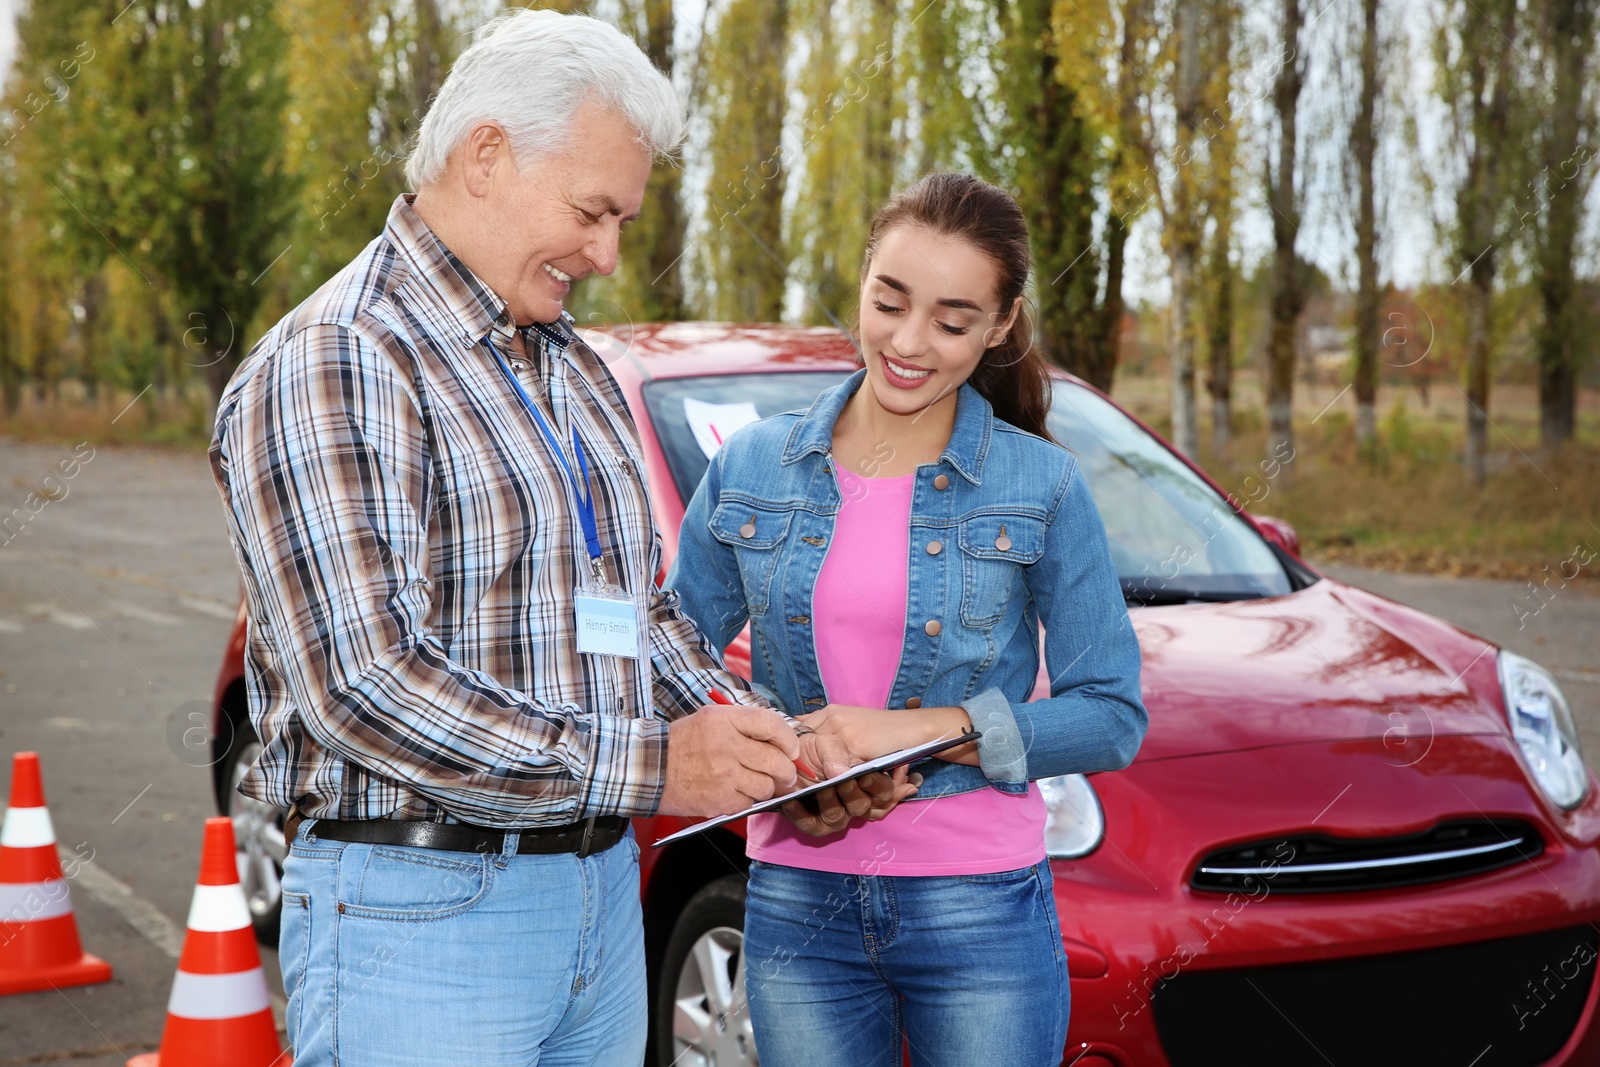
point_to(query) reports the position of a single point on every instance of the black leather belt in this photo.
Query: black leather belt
(584, 838)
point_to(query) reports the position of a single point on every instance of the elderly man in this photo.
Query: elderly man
(461, 669)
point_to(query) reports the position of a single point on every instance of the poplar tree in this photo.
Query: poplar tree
(741, 256)
(11, 369)
(1363, 150)
(1553, 203)
(1063, 145)
(1177, 120)
(942, 46)
(178, 163)
(1476, 82)
(1288, 298)
(50, 130)
(848, 146)
(1221, 126)
(651, 255)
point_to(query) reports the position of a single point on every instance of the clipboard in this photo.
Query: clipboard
(882, 763)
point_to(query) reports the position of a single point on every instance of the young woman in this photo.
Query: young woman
(895, 549)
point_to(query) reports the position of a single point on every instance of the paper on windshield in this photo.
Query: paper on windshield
(712, 423)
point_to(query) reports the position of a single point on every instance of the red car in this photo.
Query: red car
(1354, 834)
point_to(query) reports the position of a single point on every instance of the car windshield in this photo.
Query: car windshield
(1173, 539)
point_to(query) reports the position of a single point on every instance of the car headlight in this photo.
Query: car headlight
(1542, 724)
(1074, 823)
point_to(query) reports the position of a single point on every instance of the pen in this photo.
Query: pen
(718, 697)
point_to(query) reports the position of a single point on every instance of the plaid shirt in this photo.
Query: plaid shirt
(410, 548)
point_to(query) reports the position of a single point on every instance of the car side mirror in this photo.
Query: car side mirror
(1279, 533)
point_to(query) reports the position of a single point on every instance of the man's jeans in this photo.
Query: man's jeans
(968, 968)
(394, 956)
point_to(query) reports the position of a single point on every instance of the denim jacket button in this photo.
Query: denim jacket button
(932, 628)
(914, 702)
(941, 482)
(934, 548)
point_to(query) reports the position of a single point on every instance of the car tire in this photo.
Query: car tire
(257, 831)
(702, 1018)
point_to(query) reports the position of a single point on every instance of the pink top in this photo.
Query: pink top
(858, 614)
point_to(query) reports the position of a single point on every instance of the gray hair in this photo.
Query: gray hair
(530, 71)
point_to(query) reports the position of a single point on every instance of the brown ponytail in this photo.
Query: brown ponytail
(1011, 376)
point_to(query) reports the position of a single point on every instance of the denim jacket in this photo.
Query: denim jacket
(1019, 542)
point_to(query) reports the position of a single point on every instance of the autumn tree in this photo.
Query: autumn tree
(1284, 199)
(845, 145)
(361, 75)
(940, 46)
(186, 175)
(1363, 153)
(1064, 157)
(53, 128)
(652, 247)
(1476, 54)
(1166, 137)
(740, 258)
(1551, 210)
(11, 369)
(1221, 126)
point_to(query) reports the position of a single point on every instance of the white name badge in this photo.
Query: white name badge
(607, 625)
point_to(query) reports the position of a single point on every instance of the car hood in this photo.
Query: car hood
(1329, 662)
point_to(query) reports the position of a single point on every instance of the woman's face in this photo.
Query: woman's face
(929, 309)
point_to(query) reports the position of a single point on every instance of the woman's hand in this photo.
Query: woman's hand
(872, 796)
(873, 732)
(867, 732)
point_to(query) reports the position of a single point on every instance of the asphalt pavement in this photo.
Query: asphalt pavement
(116, 598)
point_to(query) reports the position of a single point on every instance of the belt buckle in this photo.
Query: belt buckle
(588, 832)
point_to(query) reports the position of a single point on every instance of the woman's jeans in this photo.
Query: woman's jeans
(398, 956)
(969, 969)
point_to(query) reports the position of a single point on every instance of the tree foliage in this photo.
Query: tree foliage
(741, 256)
(1066, 161)
(1564, 147)
(1476, 82)
(178, 173)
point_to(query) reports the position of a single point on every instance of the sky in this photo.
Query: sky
(8, 33)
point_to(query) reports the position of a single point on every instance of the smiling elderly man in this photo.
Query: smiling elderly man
(461, 669)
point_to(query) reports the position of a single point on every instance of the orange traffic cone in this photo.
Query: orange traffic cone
(218, 1012)
(39, 947)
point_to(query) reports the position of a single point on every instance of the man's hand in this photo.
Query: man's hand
(826, 754)
(725, 757)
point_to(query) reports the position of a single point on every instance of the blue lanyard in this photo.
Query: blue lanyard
(580, 490)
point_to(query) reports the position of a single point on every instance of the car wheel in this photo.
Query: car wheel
(702, 1017)
(257, 834)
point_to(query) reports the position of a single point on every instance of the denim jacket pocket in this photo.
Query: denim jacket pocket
(756, 532)
(994, 548)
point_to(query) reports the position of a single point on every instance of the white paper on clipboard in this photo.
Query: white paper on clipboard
(712, 423)
(882, 763)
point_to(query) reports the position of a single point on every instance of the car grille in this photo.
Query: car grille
(1506, 1003)
(1317, 863)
